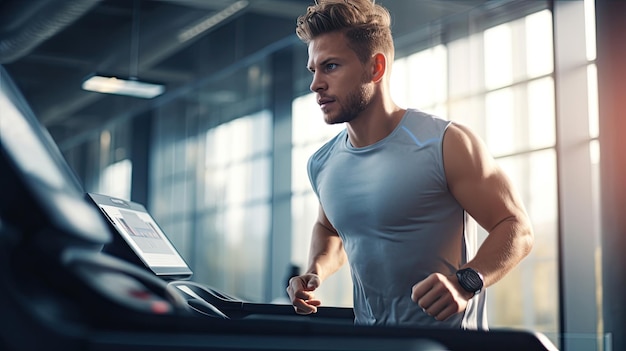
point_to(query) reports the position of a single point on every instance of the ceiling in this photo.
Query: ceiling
(49, 47)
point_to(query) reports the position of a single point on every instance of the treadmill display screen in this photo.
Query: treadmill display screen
(144, 236)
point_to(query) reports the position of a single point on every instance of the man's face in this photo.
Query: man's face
(341, 81)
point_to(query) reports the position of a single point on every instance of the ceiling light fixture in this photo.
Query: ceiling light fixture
(126, 86)
(122, 86)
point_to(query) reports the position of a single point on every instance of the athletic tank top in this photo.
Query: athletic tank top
(399, 223)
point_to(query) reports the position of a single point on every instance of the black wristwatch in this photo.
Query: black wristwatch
(470, 280)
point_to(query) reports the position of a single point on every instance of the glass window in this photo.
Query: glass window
(498, 56)
(173, 185)
(590, 29)
(427, 84)
(232, 249)
(500, 121)
(541, 114)
(520, 131)
(211, 191)
(592, 89)
(115, 179)
(527, 298)
(399, 91)
(420, 81)
(539, 53)
(108, 165)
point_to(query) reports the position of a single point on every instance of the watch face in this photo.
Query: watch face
(470, 280)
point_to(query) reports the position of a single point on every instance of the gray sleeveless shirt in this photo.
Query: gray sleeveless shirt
(391, 206)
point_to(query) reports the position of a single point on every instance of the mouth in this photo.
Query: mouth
(324, 102)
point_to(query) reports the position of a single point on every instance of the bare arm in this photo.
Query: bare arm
(326, 256)
(486, 193)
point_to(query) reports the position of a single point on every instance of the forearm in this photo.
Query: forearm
(326, 253)
(506, 245)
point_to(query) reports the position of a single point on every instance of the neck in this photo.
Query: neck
(375, 123)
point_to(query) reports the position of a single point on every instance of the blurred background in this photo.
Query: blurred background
(219, 155)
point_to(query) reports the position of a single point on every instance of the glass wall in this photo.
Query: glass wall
(211, 180)
(232, 247)
(104, 164)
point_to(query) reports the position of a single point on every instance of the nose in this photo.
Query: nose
(317, 83)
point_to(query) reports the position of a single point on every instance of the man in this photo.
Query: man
(396, 186)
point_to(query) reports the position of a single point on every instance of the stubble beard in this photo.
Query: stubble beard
(355, 103)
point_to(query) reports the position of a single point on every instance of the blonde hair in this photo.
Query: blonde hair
(367, 25)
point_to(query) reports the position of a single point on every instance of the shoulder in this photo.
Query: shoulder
(328, 147)
(458, 135)
(320, 157)
(460, 138)
(465, 154)
(325, 151)
(423, 126)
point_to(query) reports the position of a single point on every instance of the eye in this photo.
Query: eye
(331, 66)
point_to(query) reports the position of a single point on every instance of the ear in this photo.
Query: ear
(379, 67)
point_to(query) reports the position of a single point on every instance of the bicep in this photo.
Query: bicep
(477, 182)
